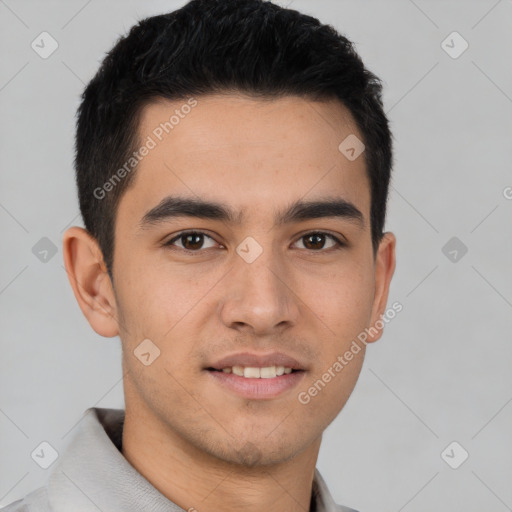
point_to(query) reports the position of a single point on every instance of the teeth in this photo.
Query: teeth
(268, 373)
(238, 370)
(251, 372)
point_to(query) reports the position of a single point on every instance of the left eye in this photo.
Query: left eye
(313, 239)
(192, 241)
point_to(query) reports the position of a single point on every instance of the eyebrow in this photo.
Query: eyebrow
(178, 206)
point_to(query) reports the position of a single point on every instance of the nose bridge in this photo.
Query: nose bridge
(259, 268)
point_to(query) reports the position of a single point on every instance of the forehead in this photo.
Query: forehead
(210, 123)
(248, 152)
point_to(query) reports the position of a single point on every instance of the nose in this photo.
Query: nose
(260, 298)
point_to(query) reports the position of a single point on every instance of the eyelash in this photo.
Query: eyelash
(339, 243)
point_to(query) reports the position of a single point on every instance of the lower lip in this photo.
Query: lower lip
(258, 388)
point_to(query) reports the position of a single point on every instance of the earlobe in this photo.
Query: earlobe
(90, 281)
(384, 270)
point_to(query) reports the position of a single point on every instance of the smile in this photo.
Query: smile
(253, 372)
(257, 383)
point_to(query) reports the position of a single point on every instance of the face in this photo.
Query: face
(259, 283)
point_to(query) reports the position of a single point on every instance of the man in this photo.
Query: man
(232, 162)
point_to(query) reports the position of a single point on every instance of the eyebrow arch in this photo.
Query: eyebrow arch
(178, 206)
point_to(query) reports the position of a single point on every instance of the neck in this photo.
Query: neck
(197, 481)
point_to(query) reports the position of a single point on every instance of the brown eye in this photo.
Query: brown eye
(316, 241)
(194, 241)
(190, 241)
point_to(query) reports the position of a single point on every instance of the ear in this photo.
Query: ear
(384, 270)
(90, 281)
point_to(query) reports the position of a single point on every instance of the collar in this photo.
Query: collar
(92, 474)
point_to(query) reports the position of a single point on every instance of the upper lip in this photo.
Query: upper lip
(257, 360)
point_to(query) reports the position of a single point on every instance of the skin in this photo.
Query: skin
(199, 444)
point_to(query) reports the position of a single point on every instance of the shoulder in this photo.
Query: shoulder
(36, 501)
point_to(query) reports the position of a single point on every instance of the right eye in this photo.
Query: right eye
(191, 241)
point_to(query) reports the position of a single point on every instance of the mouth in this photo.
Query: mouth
(256, 383)
(255, 372)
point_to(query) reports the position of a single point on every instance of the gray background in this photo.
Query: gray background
(441, 372)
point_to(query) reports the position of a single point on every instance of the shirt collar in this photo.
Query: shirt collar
(92, 474)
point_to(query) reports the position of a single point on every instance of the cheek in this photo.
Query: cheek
(150, 295)
(342, 299)
(161, 301)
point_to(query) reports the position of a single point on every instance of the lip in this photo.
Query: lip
(257, 389)
(258, 360)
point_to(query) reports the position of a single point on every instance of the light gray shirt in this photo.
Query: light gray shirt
(92, 475)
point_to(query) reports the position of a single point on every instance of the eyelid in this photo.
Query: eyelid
(188, 232)
(339, 240)
(336, 236)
